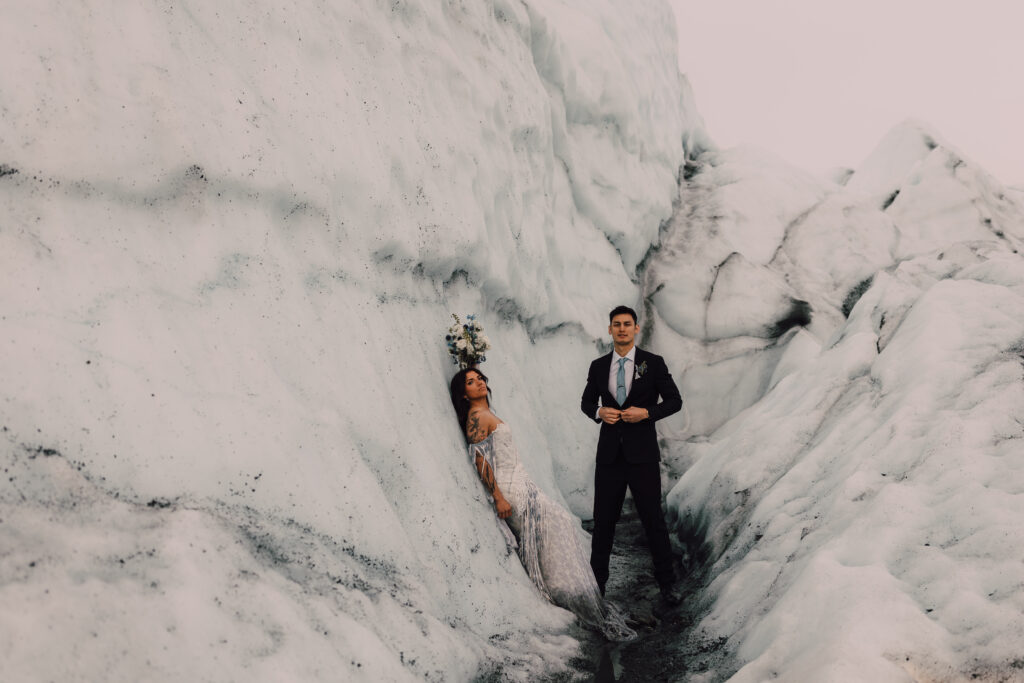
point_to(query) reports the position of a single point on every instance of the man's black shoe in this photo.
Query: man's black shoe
(671, 596)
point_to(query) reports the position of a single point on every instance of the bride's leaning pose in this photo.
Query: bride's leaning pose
(548, 536)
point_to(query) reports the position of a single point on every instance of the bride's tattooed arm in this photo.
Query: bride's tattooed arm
(487, 475)
(474, 430)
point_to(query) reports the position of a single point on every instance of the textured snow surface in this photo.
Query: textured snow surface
(861, 513)
(231, 237)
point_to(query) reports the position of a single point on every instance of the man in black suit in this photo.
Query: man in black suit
(628, 382)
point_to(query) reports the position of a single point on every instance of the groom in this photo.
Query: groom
(627, 382)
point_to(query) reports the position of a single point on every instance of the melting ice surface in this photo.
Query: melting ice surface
(857, 498)
(231, 237)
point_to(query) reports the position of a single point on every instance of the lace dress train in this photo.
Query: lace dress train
(549, 543)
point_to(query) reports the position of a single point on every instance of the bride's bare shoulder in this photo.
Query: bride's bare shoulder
(480, 424)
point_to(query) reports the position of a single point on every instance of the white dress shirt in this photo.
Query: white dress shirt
(613, 372)
(613, 375)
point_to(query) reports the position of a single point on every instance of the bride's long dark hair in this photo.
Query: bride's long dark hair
(459, 400)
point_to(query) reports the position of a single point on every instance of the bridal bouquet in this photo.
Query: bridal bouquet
(467, 342)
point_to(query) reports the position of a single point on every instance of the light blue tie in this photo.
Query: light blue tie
(620, 382)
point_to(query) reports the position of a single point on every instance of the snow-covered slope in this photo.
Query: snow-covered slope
(858, 515)
(231, 236)
(755, 242)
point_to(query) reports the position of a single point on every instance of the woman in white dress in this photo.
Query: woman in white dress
(548, 536)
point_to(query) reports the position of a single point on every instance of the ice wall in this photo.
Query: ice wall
(231, 237)
(855, 499)
(758, 247)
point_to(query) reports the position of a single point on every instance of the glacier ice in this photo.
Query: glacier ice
(858, 519)
(232, 235)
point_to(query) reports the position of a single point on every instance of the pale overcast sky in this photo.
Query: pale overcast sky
(819, 82)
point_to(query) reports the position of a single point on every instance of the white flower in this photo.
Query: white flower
(460, 344)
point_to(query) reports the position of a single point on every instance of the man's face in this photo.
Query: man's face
(622, 329)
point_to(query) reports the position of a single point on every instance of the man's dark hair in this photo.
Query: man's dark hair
(619, 310)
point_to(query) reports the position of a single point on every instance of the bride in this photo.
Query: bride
(548, 536)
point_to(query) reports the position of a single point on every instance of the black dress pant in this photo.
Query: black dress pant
(644, 482)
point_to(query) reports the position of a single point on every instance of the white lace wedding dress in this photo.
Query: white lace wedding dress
(549, 543)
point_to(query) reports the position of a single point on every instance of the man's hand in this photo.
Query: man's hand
(610, 415)
(504, 509)
(634, 414)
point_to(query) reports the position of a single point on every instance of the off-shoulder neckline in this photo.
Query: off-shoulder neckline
(477, 443)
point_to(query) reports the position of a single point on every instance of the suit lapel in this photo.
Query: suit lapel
(637, 360)
(606, 365)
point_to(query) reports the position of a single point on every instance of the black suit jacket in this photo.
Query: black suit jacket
(651, 379)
